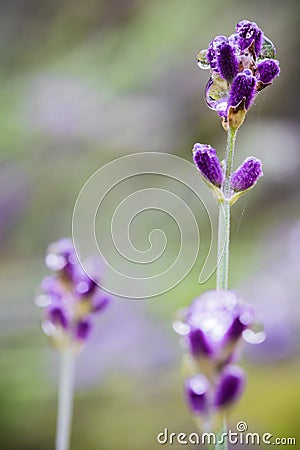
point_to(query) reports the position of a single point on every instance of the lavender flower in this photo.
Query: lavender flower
(222, 58)
(207, 162)
(196, 392)
(268, 70)
(230, 386)
(241, 65)
(246, 175)
(242, 89)
(213, 325)
(69, 297)
(215, 314)
(248, 33)
(227, 62)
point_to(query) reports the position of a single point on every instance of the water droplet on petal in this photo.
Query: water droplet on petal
(268, 49)
(202, 60)
(217, 94)
(234, 40)
(218, 40)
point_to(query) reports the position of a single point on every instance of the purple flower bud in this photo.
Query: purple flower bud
(196, 392)
(51, 287)
(243, 87)
(199, 344)
(206, 160)
(230, 386)
(226, 61)
(268, 70)
(61, 256)
(249, 32)
(240, 323)
(82, 330)
(84, 285)
(57, 316)
(246, 175)
(99, 301)
(212, 51)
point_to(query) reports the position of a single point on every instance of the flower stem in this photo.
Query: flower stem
(224, 237)
(224, 216)
(65, 400)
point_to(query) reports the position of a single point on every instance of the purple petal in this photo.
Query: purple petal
(268, 70)
(83, 328)
(57, 316)
(208, 163)
(196, 392)
(230, 386)
(249, 32)
(199, 344)
(243, 87)
(100, 301)
(226, 61)
(246, 175)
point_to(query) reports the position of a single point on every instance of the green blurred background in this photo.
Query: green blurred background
(81, 84)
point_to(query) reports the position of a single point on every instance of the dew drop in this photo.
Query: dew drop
(268, 49)
(217, 94)
(202, 60)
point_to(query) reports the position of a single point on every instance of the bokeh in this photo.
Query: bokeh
(83, 83)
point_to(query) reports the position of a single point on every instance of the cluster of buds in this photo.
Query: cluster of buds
(212, 328)
(69, 297)
(241, 65)
(211, 169)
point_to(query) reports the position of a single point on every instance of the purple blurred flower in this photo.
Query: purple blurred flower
(207, 162)
(199, 344)
(246, 175)
(230, 386)
(82, 329)
(216, 314)
(212, 327)
(196, 392)
(57, 315)
(69, 297)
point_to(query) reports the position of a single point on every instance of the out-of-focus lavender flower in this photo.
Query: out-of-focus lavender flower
(197, 394)
(241, 66)
(221, 317)
(69, 297)
(207, 162)
(212, 327)
(230, 386)
(246, 175)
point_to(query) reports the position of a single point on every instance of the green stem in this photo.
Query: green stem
(65, 400)
(224, 240)
(224, 216)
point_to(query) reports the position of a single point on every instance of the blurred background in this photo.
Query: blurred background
(83, 83)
